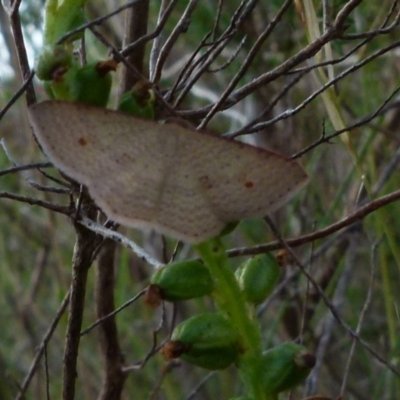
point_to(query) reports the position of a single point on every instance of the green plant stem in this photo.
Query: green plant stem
(59, 16)
(229, 299)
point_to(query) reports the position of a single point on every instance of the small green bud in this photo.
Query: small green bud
(257, 277)
(60, 18)
(51, 60)
(207, 340)
(48, 87)
(60, 85)
(139, 101)
(285, 367)
(92, 83)
(78, 19)
(182, 281)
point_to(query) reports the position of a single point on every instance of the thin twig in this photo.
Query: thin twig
(18, 168)
(86, 242)
(380, 31)
(114, 377)
(180, 28)
(157, 42)
(327, 302)
(328, 323)
(292, 112)
(238, 18)
(187, 68)
(217, 19)
(141, 253)
(17, 94)
(364, 310)
(357, 215)
(97, 21)
(114, 313)
(230, 60)
(359, 123)
(250, 127)
(387, 172)
(160, 26)
(247, 62)
(154, 347)
(41, 348)
(37, 202)
(203, 62)
(307, 296)
(135, 27)
(303, 55)
(46, 371)
(27, 178)
(16, 27)
(196, 389)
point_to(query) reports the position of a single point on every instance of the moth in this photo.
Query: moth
(184, 183)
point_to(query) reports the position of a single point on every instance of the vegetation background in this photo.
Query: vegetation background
(318, 79)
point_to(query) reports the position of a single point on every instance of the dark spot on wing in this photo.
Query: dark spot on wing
(82, 141)
(249, 184)
(205, 180)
